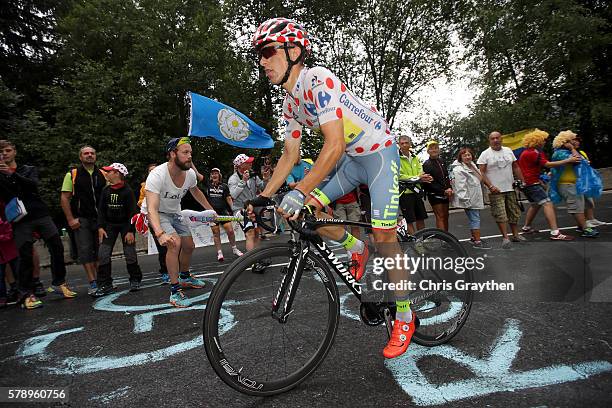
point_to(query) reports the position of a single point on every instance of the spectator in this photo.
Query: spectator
(141, 195)
(439, 190)
(498, 166)
(244, 188)
(37, 286)
(299, 171)
(115, 210)
(411, 203)
(467, 189)
(161, 250)
(163, 206)
(564, 178)
(589, 211)
(219, 197)
(8, 254)
(22, 182)
(347, 208)
(531, 161)
(81, 191)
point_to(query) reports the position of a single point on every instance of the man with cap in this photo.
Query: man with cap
(166, 185)
(219, 197)
(244, 187)
(116, 207)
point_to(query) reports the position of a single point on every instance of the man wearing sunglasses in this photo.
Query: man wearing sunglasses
(358, 149)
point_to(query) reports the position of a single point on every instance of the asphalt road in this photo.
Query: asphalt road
(547, 344)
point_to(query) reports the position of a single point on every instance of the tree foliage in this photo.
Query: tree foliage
(543, 64)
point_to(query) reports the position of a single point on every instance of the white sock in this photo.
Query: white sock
(554, 232)
(357, 248)
(404, 316)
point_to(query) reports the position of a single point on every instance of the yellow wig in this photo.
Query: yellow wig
(534, 138)
(562, 138)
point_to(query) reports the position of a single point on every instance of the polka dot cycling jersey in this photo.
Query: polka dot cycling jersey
(320, 97)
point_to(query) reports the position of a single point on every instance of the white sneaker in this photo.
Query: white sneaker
(236, 251)
(594, 223)
(220, 256)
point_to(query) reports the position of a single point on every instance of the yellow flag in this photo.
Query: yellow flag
(515, 140)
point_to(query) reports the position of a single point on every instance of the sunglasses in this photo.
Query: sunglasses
(269, 52)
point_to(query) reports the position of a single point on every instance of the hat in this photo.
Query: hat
(215, 169)
(241, 159)
(116, 166)
(432, 142)
(309, 162)
(176, 142)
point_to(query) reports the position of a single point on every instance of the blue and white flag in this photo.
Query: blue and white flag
(210, 118)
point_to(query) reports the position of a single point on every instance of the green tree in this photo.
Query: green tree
(544, 64)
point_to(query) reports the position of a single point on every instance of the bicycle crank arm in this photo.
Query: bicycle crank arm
(388, 321)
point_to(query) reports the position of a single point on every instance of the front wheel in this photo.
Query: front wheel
(248, 348)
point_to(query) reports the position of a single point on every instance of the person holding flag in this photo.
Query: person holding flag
(166, 185)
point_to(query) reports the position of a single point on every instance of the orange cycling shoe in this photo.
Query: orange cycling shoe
(400, 338)
(358, 263)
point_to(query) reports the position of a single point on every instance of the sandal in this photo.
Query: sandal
(561, 237)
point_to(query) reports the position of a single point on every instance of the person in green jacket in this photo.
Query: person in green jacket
(411, 203)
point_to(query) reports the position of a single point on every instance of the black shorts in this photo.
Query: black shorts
(413, 207)
(433, 200)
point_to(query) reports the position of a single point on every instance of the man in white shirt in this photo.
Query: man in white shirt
(499, 167)
(166, 185)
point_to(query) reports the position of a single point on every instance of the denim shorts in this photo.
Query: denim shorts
(474, 217)
(174, 224)
(536, 194)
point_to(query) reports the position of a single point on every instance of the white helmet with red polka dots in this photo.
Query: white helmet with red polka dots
(282, 30)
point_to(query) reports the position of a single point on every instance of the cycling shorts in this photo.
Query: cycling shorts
(379, 171)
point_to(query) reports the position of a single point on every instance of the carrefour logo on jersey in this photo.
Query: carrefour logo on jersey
(324, 98)
(360, 112)
(311, 109)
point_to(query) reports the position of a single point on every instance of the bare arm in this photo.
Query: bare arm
(517, 171)
(485, 179)
(153, 212)
(199, 176)
(65, 203)
(291, 153)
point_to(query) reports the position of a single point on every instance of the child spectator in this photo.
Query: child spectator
(116, 208)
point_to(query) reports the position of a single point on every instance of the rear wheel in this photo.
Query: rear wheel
(441, 306)
(247, 347)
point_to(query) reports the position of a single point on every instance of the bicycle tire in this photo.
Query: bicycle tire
(241, 373)
(453, 308)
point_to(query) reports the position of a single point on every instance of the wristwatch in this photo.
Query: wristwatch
(159, 234)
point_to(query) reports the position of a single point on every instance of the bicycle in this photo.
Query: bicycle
(249, 317)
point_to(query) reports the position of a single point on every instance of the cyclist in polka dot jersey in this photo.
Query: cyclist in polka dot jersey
(320, 97)
(358, 149)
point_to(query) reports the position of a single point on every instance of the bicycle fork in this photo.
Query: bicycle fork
(282, 302)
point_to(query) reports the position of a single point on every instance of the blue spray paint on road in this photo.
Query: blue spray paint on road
(492, 374)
